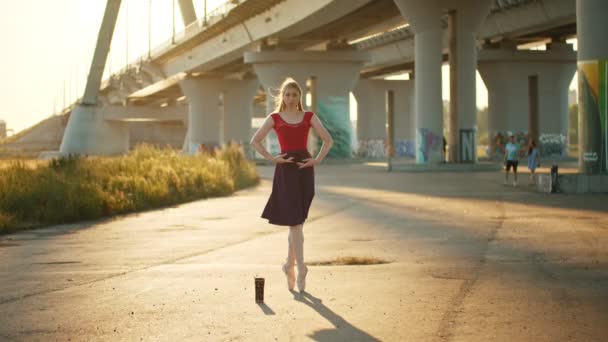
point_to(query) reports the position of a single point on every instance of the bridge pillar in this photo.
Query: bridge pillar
(591, 27)
(238, 109)
(219, 111)
(88, 133)
(424, 18)
(464, 19)
(204, 113)
(505, 72)
(336, 72)
(371, 117)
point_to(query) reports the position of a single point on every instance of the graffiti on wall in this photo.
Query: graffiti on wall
(553, 145)
(429, 146)
(593, 111)
(335, 116)
(377, 148)
(467, 145)
(550, 145)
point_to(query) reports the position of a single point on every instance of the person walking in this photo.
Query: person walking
(533, 161)
(511, 159)
(293, 180)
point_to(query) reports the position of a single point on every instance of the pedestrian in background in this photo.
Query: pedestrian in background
(533, 160)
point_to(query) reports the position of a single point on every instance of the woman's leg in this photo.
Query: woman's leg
(297, 239)
(290, 262)
(291, 256)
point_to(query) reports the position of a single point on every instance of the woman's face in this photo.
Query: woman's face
(291, 97)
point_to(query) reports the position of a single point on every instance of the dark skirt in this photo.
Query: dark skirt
(292, 192)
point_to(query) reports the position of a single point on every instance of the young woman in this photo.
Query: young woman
(533, 160)
(293, 184)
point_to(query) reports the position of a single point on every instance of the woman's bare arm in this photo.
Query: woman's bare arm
(324, 135)
(258, 137)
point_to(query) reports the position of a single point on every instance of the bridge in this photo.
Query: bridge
(208, 75)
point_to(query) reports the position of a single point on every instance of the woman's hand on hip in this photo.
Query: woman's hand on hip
(308, 162)
(280, 159)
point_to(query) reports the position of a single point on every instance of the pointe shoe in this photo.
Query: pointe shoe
(302, 279)
(291, 276)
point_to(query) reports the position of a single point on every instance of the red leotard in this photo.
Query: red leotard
(292, 136)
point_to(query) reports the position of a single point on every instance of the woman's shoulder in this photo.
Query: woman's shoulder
(272, 117)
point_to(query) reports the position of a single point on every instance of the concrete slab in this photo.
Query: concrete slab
(574, 183)
(470, 260)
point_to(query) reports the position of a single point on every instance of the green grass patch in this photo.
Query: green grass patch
(76, 189)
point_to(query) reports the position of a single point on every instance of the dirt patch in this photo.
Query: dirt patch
(348, 261)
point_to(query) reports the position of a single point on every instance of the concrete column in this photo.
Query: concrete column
(466, 16)
(425, 20)
(336, 81)
(87, 132)
(336, 73)
(238, 109)
(204, 115)
(592, 85)
(220, 111)
(533, 107)
(505, 72)
(370, 106)
(371, 118)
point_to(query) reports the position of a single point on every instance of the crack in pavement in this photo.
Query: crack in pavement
(448, 320)
(170, 261)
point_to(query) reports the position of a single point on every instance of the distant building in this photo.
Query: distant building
(2, 129)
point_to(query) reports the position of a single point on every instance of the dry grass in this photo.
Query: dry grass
(349, 260)
(29, 163)
(38, 193)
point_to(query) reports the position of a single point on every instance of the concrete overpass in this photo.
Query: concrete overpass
(342, 47)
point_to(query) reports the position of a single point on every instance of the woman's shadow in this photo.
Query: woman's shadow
(344, 331)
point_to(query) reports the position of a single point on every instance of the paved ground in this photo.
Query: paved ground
(470, 260)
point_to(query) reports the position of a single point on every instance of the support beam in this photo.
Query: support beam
(144, 113)
(453, 52)
(188, 13)
(533, 107)
(104, 39)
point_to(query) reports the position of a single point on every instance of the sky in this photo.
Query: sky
(48, 46)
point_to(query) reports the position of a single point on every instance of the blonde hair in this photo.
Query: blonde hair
(279, 105)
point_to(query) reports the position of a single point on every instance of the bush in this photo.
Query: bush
(75, 188)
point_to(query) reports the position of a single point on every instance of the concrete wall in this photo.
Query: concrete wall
(371, 117)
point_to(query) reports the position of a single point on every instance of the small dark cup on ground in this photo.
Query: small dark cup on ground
(259, 290)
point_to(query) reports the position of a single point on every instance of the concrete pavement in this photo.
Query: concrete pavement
(470, 260)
